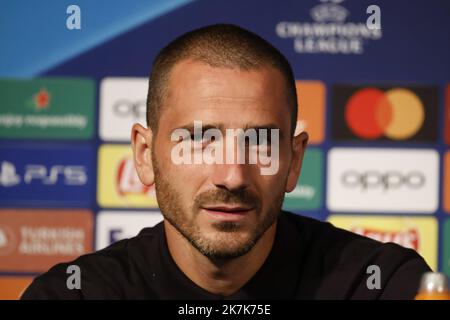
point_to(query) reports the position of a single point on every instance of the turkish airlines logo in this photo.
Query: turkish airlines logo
(385, 113)
(34, 240)
(7, 240)
(383, 180)
(407, 238)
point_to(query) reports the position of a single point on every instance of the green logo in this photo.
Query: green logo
(446, 248)
(47, 108)
(308, 193)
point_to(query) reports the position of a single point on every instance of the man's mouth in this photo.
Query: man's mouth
(227, 213)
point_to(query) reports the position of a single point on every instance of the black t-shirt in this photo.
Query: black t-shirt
(310, 259)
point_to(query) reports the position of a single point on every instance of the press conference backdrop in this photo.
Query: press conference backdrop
(375, 102)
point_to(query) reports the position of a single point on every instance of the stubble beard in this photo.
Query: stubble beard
(232, 239)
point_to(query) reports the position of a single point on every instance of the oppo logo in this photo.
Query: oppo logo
(71, 175)
(385, 180)
(126, 108)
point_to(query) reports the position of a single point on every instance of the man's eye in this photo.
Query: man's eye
(264, 140)
(261, 140)
(202, 138)
(196, 138)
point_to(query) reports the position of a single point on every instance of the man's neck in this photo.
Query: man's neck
(224, 276)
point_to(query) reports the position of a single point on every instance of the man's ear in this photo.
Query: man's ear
(141, 143)
(299, 143)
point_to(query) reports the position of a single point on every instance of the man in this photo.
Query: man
(224, 235)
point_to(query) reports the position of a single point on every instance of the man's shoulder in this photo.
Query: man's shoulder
(346, 261)
(324, 235)
(103, 272)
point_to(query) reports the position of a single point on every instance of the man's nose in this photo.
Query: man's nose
(230, 176)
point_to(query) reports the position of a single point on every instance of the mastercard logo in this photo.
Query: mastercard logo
(397, 113)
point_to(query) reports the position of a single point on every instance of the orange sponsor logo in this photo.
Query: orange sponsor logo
(447, 182)
(11, 288)
(35, 240)
(311, 109)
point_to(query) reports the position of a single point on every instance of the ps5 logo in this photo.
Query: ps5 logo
(71, 175)
(8, 175)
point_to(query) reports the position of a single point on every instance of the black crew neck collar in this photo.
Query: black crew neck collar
(277, 278)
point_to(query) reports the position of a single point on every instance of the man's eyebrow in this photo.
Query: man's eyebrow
(205, 126)
(190, 126)
(269, 126)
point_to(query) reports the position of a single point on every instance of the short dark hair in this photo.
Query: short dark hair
(219, 45)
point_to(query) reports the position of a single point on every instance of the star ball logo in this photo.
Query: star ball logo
(385, 113)
(331, 28)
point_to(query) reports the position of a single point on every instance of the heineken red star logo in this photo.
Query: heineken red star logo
(41, 99)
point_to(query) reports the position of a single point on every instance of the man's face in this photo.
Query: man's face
(222, 209)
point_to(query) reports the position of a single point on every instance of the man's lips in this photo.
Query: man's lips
(228, 209)
(227, 213)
